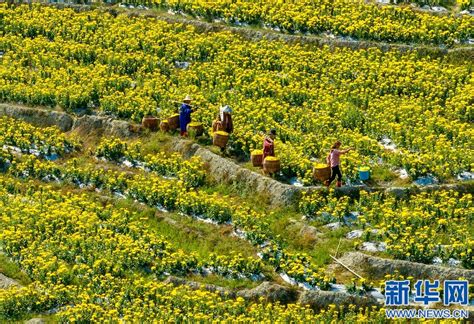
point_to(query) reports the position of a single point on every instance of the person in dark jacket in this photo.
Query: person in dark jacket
(185, 115)
(269, 144)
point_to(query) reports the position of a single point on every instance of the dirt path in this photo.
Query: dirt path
(6, 282)
(277, 293)
(376, 268)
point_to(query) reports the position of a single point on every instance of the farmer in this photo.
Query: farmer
(269, 144)
(334, 161)
(185, 115)
(226, 119)
(217, 124)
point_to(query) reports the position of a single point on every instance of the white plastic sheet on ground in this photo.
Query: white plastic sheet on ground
(402, 173)
(354, 234)
(374, 246)
(334, 226)
(388, 144)
(295, 182)
(463, 176)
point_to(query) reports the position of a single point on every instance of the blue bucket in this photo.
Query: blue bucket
(364, 173)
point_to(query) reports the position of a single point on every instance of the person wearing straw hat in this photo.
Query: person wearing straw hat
(185, 115)
(226, 119)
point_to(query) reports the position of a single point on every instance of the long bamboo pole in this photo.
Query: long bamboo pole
(179, 102)
(352, 271)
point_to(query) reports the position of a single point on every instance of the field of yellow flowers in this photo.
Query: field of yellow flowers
(425, 228)
(91, 260)
(169, 165)
(127, 67)
(355, 18)
(71, 212)
(31, 140)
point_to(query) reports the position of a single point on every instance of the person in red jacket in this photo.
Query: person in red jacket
(269, 144)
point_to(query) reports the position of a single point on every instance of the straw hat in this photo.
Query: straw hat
(187, 99)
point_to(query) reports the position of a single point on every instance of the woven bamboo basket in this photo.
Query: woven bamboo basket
(321, 172)
(150, 122)
(220, 139)
(164, 126)
(195, 127)
(271, 165)
(173, 122)
(257, 158)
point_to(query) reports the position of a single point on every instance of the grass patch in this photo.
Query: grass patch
(326, 245)
(330, 245)
(239, 191)
(154, 142)
(287, 224)
(189, 234)
(249, 165)
(12, 270)
(401, 182)
(214, 149)
(224, 282)
(201, 238)
(382, 173)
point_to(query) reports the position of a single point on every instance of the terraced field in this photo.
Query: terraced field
(105, 221)
(96, 62)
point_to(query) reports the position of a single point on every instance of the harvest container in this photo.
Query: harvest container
(220, 139)
(195, 127)
(173, 122)
(164, 126)
(364, 173)
(271, 164)
(257, 158)
(321, 172)
(150, 122)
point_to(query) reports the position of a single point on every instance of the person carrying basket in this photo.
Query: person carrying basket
(333, 160)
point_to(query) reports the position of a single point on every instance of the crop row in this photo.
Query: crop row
(110, 299)
(358, 19)
(170, 165)
(424, 228)
(172, 195)
(70, 240)
(22, 136)
(85, 259)
(71, 235)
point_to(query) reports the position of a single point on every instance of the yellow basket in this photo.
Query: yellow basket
(257, 158)
(271, 164)
(195, 127)
(173, 121)
(321, 172)
(220, 139)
